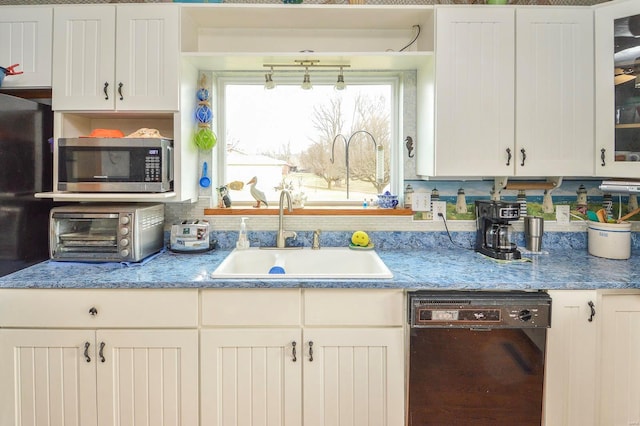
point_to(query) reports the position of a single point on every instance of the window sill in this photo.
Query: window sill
(308, 211)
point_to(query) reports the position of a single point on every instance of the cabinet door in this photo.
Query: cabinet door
(554, 91)
(475, 68)
(571, 363)
(26, 40)
(45, 378)
(147, 57)
(251, 377)
(616, 69)
(620, 361)
(147, 377)
(355, 376)
(83, 56)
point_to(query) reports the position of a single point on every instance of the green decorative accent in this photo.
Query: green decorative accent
(205, 139)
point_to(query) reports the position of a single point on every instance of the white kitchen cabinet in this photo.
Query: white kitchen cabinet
(59, 366)
(513, 109)
(475, 75)
(571, 359)
(26, 40)
(620, 355)
(339, 363)
(617, 48)
(554, 92)
(123, 58)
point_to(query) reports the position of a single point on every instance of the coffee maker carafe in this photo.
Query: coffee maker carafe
(493, 230)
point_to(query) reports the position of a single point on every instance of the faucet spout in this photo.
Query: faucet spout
(282, 234)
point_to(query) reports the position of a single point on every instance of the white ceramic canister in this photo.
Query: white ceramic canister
(609, 240)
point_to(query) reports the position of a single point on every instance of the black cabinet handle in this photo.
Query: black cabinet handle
(508, 156)
(593, 310)
(86, 352)
(93, 311)
(120, 91)
(294, 351)
(101, 352)
(310, 351)
(602, 151)
(106, 95)
(524, 156)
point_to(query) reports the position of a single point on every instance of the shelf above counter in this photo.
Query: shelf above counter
(107, 197)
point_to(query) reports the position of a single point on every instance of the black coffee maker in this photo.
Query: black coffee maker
(493, 230)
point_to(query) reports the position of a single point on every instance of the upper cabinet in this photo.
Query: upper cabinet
(26, 40)
(514, 92)
(123, 58)
(617, 69)
(554, 91)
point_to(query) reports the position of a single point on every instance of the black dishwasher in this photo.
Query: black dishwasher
(477, 358)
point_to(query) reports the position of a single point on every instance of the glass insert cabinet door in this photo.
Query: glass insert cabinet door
(618, 89)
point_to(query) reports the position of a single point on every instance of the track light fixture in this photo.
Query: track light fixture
(306, 64)
(268, 80)
(340, 83)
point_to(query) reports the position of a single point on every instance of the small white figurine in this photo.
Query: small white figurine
(256, 193)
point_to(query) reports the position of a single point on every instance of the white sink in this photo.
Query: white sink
(325, 263)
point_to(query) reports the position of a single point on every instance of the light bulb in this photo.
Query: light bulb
(306, 82)
(340, 85)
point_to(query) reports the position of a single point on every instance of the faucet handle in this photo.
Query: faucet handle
(315, 245)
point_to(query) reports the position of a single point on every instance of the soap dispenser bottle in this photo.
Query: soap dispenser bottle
(243, 242)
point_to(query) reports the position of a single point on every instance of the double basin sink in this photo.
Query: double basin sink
(302, 263)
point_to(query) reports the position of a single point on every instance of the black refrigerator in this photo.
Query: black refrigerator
(26, 167)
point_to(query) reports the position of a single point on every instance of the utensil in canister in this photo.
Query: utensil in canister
(591, 215)
(628, 215)
(204, 180)
(602, 215)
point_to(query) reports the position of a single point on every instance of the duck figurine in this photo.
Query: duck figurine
(256, 193)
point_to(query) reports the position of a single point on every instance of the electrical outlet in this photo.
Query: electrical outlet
(439, 207)
(562, 214)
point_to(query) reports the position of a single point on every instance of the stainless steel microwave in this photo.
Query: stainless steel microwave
(106, 232)
(115, 164)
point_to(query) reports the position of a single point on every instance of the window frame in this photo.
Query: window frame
(393, 78)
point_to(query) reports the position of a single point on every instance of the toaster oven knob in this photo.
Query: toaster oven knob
(124, 253)
(124, 220)
(124, 230)
(124, 242)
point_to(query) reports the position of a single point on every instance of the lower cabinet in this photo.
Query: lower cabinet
(571, 359)
(72, 367)
(299, 368)
(620, 359)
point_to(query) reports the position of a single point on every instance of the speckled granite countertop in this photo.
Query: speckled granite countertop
(452, 268)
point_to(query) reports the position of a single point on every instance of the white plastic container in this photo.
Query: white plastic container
(609, 240)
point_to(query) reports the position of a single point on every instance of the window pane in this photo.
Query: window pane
(285, 136)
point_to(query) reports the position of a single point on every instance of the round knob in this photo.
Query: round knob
(93, 311)
(525, 315)
(124, 253)
(124, 231)
(124, 220)
(124, 242)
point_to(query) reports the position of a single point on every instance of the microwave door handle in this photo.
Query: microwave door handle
(170, 155)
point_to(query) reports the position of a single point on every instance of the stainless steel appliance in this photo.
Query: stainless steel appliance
(115, 164)
(477, 358)
(493, 230)
(26, 167)
(106, 232)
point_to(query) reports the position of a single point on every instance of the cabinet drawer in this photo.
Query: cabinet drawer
(113, 308)
(346, 307)
(251, 307)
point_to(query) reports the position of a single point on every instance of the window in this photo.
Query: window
(287, 137)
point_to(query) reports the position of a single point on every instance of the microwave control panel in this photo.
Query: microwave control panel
(152, 166)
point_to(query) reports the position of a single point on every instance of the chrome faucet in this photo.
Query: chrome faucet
(282, 234)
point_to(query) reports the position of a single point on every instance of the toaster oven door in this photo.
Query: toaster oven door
(83, 237)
